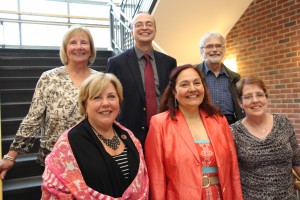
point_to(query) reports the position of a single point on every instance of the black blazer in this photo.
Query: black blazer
(133, 109)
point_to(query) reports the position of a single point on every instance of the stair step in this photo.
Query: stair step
(10, 126)
(5, 52)
(41, 61)
(25, 166)
(14, 109)
(23, 71)
(30, 61)
(16, 95)
(101, 68)
(18, 82)
(16, 184)
(29, 52)
(23, 188)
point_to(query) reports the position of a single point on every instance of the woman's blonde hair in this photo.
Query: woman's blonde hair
(95, 85)
(70, 33)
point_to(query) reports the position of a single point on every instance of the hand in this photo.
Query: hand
(5, 165)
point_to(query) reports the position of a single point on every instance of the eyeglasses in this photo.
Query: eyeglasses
(250, 97)
(212, 46)
(143, 25)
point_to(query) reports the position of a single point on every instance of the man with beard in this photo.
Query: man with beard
(220, 80)
(132, 69)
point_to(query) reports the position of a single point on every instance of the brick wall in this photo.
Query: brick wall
(266, 43)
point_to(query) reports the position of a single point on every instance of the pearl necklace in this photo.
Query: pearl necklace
(111, 143)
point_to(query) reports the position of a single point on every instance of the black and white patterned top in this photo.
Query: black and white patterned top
(266, 164)
(122, 162)
(53, 110)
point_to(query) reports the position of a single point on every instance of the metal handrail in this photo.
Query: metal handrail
(53, 15)
(53, 22)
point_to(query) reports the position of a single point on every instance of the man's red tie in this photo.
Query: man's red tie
(151, 105)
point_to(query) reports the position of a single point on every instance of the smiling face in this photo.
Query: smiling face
(103, 109)
(213, 51)
(78, 48)
(253, 100)
(143, 28)
(189, 90)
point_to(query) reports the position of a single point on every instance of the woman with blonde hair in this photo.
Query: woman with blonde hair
(98, 158)
(54, 104)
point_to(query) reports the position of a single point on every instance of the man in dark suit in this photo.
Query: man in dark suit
(129, 68)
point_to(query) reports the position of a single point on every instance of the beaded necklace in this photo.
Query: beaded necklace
(111, 143)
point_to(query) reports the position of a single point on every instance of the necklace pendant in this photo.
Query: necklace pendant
(111, 143)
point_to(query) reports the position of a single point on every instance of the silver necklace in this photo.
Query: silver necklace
(111, 143)
(256, 127)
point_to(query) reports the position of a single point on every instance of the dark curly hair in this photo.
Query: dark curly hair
(168, 98)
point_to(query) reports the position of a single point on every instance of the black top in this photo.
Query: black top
(98, 167)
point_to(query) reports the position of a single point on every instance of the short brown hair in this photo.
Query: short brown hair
(247, 81)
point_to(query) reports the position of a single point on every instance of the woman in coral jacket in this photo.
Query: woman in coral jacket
(189, 149)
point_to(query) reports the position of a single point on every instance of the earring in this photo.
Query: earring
(243, 110)
(175, 103)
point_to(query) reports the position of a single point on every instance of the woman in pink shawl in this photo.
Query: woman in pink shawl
(98, 158)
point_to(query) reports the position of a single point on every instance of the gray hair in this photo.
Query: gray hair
(211, 35)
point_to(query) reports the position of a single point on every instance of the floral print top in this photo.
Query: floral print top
(53, 110)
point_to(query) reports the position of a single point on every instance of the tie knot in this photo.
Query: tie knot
(147, 57)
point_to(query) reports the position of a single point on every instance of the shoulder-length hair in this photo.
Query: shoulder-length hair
(77, 29)
(168, 98)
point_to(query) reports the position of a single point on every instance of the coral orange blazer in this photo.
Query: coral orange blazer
(173, 162)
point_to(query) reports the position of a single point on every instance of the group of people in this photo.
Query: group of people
(149, 129)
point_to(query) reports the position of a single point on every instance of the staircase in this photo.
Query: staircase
(20, 70)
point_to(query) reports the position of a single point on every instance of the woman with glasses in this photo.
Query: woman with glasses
(266, 146)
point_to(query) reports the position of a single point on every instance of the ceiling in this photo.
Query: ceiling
(181, 24)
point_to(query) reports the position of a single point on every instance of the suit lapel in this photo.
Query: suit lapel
(186, 136)
(133, 65)
(161, 70)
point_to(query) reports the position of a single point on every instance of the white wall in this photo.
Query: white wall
(181, 24)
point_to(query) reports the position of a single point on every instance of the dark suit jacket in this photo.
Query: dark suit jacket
(133, 109)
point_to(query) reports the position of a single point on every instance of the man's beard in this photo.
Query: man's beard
(215, 60)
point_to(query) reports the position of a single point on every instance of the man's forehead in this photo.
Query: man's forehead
(213, 40)
(143, 18)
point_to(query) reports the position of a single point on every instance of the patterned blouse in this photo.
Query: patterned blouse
(266, 164)
(53, 110)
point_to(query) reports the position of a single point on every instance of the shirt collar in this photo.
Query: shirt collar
(223, 71)
(140, 54)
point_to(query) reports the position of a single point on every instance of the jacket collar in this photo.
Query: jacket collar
(183, 129)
